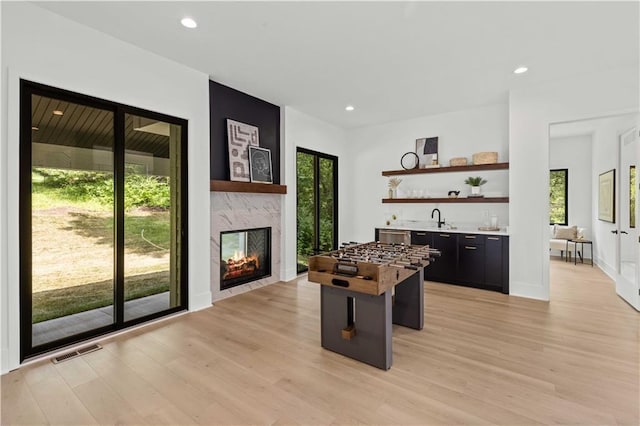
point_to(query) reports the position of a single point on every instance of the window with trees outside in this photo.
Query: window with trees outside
(558, 196)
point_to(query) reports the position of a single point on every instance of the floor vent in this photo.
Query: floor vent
(81, 351)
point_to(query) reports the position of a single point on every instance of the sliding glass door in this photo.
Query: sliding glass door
(152, 220)
(102, 203)
(317, 204)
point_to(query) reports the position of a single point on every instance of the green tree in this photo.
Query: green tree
(557, 196)
(307, 185)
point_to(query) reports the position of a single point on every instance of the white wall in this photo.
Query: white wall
(605, 158)
(43, 47)
(461, 134)
(304, 131)
(574, 153)
(531, 111)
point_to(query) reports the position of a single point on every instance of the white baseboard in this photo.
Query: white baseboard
(606, 268)
(528, 290)
(4, 361)
(199, 302)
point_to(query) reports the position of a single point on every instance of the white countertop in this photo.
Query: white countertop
(416, 225)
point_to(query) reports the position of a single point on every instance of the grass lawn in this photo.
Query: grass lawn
(73, 253)
(52, 304)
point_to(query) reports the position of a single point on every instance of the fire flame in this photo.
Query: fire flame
(238, 255)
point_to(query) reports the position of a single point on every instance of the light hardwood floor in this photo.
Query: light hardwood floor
(482, 358)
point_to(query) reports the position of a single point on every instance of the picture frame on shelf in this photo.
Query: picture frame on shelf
(260, 165)
(240, 136)
(607, 196)
(427, 152)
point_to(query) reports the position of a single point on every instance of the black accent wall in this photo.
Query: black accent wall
(225, 102)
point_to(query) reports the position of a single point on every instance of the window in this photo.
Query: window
(317, 200)
(558, 196)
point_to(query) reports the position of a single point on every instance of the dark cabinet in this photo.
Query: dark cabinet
(471, 259)
(444, 267)
(497, 263)
(421, 238)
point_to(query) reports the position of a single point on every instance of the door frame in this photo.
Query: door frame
(27, 89)
(628, 291)
(316, 171)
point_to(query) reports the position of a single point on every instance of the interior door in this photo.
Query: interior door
(627, 275)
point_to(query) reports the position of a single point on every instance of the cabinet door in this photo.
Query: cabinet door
(420, 238)
(444, 267)
(494, 259)
(471, 263)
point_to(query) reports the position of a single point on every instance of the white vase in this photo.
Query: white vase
(475, 190)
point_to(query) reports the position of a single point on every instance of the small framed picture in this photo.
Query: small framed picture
(260, 164)
(607, 196)
(427, 151)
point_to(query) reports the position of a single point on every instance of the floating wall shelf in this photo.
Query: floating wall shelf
(251, 187)
(472, 167)
(446, 200)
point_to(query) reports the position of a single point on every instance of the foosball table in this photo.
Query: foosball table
(365, 288)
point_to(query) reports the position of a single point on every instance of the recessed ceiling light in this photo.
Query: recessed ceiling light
(58, 112)
(189, 23)
(349, 108)
(35, 128)
(520, 70)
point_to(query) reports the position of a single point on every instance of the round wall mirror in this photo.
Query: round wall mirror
(409, 161)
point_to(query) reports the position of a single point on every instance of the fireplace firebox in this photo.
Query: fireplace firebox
(245, 256)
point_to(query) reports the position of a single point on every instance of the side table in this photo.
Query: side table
(581, 251)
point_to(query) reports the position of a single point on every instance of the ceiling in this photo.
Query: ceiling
(82, 126)
(391, 60)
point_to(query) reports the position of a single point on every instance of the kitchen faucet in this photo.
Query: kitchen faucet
(440, 222)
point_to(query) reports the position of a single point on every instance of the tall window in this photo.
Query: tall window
(317, 199)
(558, 196)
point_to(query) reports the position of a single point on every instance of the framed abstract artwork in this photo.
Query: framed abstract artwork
(607, 196)
(240, 137)
(427, 151)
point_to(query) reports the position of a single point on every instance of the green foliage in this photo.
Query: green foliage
(146, 191)
(557, 192)
(475, 181)
(305, 212)
(84, 186)
(57, 303)
(306, 217)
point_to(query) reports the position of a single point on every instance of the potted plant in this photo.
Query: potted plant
(476, 183)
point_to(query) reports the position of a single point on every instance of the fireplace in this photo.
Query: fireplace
(245, 256)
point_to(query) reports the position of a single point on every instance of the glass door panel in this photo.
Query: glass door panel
(326, 206)
(151, 216)
(317, 205)
(72, 219)
(102, 230)
(306, 219)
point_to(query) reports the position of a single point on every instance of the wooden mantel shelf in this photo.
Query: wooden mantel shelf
(253, 187)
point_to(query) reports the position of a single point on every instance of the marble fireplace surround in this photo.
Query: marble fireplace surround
(239, 210)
